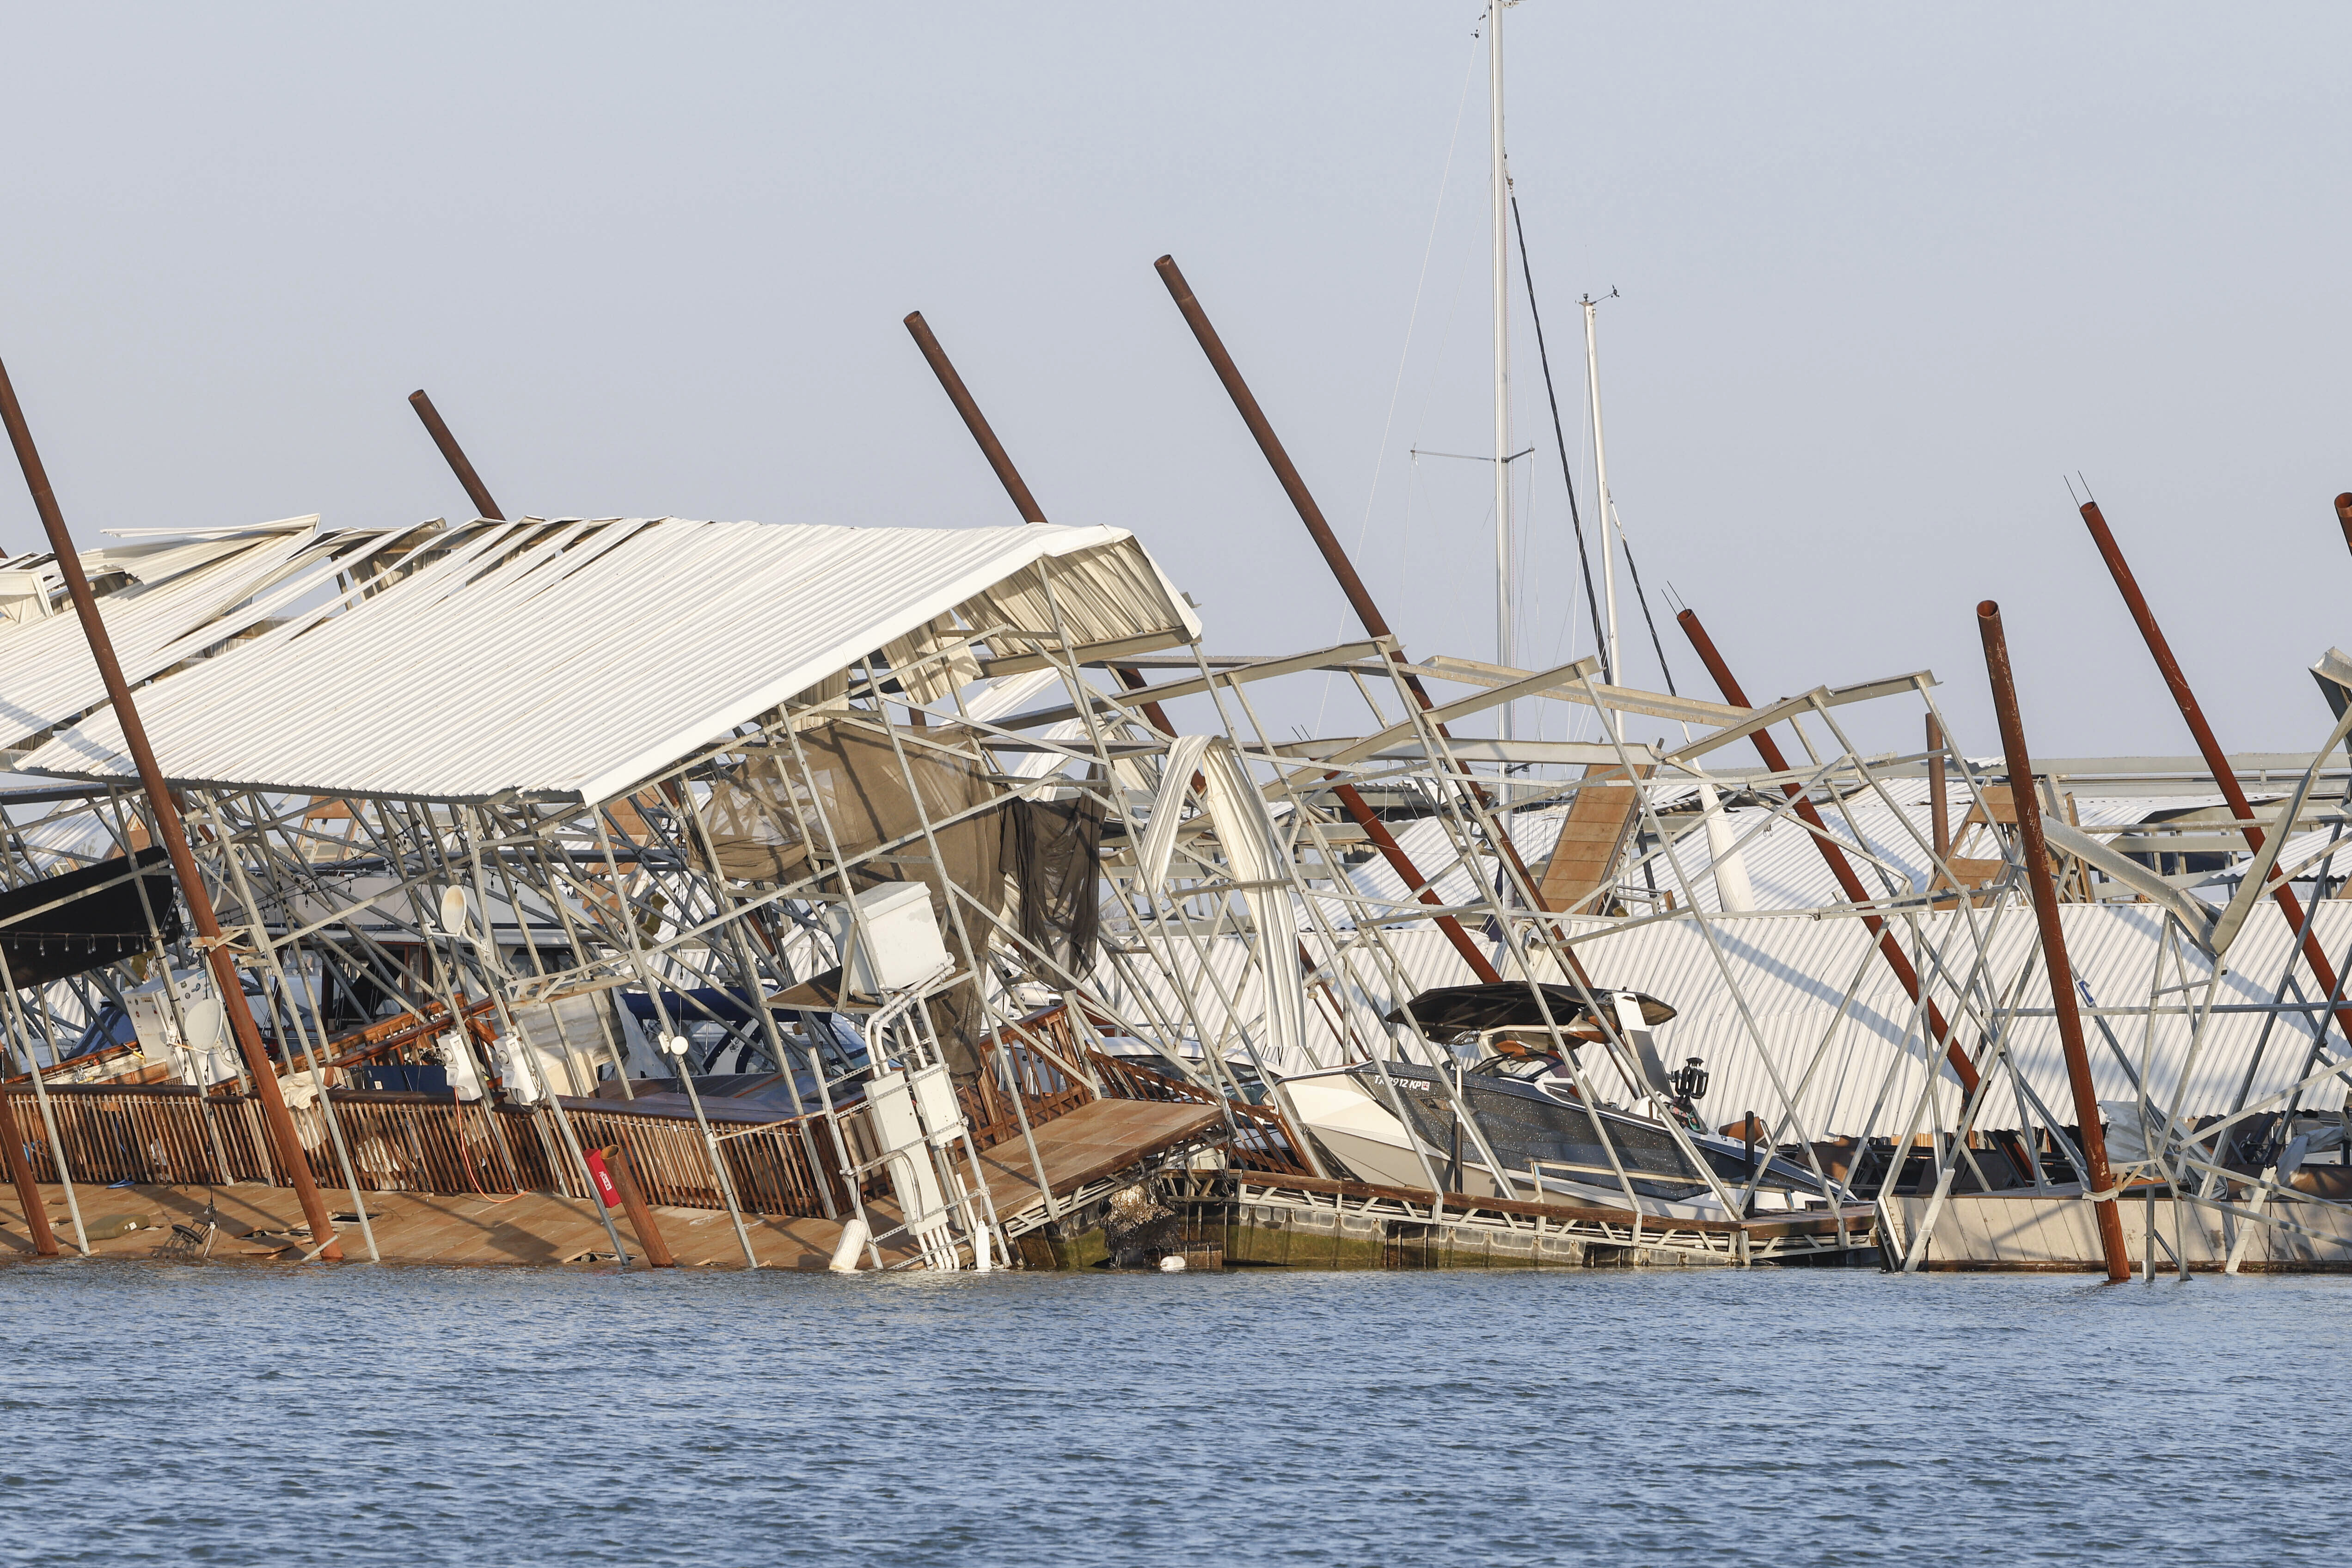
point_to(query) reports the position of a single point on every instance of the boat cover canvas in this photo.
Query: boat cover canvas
(1456, 1011)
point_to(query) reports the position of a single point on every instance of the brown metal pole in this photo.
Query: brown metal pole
(2216, 760)
(1334, 556)
(1006, 473)
(2061, 972)
(1133, 681)
(1939, 810)
(2343, 517)
(1851, 884)
(1359, 597)
(476, 491)
(20, 1172)
(1840, 866)
(641, 1215)
(973, 420)
(167, 822)
(1393, 853)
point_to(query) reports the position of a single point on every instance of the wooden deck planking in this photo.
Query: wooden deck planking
(1086, 1145)
(537, 1228)
(1098, 1139)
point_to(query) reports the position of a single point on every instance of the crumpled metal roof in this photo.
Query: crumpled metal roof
(1783, 860)
(189, 600)
(574, 658)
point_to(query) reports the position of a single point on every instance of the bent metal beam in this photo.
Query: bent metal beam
(282, 1136)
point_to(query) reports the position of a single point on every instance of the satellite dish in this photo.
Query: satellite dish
(456, 912)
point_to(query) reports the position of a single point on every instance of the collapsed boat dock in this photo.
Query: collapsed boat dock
(540, 889)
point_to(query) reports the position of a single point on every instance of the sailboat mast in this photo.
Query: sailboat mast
(1506, 639)
(1606, 507)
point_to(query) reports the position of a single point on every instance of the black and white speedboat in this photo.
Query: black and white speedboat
(1397, 1123)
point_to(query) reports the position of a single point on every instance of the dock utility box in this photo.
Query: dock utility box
(901, 945)
(203, 1055)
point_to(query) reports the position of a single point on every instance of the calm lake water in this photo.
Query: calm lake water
(168, 1414)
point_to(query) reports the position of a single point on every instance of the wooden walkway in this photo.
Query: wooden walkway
(537, 1228)
(1083, 1151)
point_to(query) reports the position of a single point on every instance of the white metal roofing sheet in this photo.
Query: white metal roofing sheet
(47, 674)
(575, 658)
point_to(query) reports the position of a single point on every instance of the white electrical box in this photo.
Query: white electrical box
(900, 946)
(458, 1061)
(204, 1055)
(511, 1059)
(890, 1112)
(935, 1102)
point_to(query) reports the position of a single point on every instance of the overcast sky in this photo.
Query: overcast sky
(1885, 274)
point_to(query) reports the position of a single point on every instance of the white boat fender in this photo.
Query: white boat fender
(845, 1251)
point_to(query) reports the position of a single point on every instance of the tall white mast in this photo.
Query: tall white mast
(1603, 504)
(1505, 641)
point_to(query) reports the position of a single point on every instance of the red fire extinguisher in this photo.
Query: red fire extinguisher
(600, 1174)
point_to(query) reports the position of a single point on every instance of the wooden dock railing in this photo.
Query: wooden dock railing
(173, 1135)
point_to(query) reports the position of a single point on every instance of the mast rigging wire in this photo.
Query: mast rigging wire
(1644, 600)
(1582, 559)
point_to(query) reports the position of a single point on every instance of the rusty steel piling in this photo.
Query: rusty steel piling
(165, 807)
(973, 420)
(1006, 473)
(1335, 555)
(1848, 881)
(2225, 777)
(20, 1174)
(651, 1244)
(454, 454)
(2059, 969)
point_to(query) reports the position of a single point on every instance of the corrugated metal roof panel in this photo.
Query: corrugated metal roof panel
(49, 675)
(575, 658)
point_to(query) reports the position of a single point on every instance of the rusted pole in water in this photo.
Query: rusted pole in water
(1939, 810)
(1359, 598)
(167, 810)
(973, 420)
(2218, 760)
(2059, 972)
(476, 491)
(1393, 853)
(650, 1243)
(1006, 473)
(20, 1172)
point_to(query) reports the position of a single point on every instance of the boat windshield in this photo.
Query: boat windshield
(1527, 1069)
